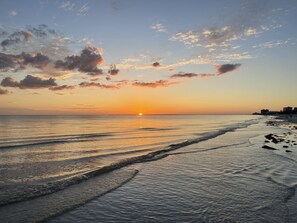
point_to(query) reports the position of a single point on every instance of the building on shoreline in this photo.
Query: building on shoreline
(286, 111)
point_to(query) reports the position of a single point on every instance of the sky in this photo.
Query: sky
(154, 57)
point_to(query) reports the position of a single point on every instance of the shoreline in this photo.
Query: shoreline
(59, 210)
(256, 181)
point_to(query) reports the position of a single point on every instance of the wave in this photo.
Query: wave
(48, 188)
(61, 139)
(157, 129)
(47, 207)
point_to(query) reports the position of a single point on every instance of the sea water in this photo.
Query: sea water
(229, 178)
(209, 167)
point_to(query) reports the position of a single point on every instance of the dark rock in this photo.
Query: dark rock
(288, 151)
(268, 147)
(273, 138)
(285, 146)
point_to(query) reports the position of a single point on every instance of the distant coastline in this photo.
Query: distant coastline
(285, 111)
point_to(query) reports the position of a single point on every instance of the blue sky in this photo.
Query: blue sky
(192, 50)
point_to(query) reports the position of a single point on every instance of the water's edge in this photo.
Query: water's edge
(56, 186)
(47, 207)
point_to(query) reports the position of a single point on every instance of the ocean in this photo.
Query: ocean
(182, 168)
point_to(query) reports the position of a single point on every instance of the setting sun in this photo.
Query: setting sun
(140, 114)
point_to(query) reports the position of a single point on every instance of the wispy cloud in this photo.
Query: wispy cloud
(70, 6)
(250, 31)
(250, 19)
(67, 6)
(83, 9)
(273, 44)
(62, 87)
(13, 13)
(98, 85)
(221, 69)
(158, 27)
(190, 38)
(157, 65)
(184, 75)
(225, 57)
(160, 83)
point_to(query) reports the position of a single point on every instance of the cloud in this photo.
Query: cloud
(29, 82)
(40, 39)
(96, 72)
(218, 36)
(233, 56)
(195, 60)
(245, 20)
(131, 60)
(184, 75)
(160, 83)
(48, 65)
(221, 69)
(9, 82)
(62, 87)
(83, 9)
(15, 38)
(13, 13)
(38, 60)
(86, 62)
(7, 62)
(113, 70)
(10, 62)
(273, 44)
(42, 31)
(190, 75)
(3, 91)
(70, 6)
(98, 85)
(190, 38)
(21, 34)
(156, 64)
(67, 6)
(158, 27)
(250, 31)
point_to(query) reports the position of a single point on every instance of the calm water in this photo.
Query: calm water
(37, 150)
(203, 169)
(229, 178)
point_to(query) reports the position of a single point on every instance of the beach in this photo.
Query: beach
(228, 179)
(221, 176)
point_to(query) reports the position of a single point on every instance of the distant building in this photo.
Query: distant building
(287, 110)
(264, 111)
